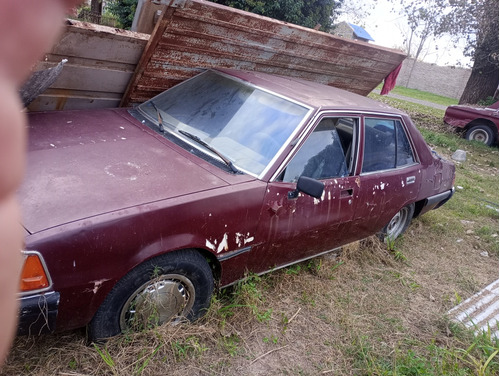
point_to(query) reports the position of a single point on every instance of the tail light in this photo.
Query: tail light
(34, 275)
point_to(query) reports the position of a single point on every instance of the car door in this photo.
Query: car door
(295, 228)
(390, 174)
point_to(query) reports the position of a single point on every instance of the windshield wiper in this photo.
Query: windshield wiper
(161, 128)
(211, 148)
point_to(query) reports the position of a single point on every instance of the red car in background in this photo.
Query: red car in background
(134, 216)
(476, 123)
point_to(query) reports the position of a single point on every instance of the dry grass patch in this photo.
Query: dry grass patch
(357, 313)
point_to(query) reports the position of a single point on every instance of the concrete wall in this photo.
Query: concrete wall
(447, 81)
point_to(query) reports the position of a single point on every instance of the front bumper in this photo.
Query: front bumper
(38, 313)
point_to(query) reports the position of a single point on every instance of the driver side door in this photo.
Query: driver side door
(297, 228)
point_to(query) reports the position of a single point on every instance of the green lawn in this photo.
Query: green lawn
(422, 95)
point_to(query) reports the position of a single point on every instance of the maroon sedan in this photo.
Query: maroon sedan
(133, 216)
(476, 123)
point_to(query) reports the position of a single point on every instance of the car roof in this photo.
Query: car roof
(313, 94)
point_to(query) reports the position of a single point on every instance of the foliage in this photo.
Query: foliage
(124, 10)
(424, 22)
(487, 101)
(476, 22)
(308, 13)
(418, 358)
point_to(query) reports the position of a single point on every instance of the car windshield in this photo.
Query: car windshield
(246, 125)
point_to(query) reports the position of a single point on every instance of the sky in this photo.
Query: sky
(388, 28)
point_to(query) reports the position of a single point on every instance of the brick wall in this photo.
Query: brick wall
(447, 81)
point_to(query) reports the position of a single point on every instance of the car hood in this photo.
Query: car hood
(85, 163)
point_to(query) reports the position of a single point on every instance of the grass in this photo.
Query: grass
(423, 95)
(373, 309)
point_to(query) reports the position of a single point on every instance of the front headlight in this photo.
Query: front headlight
(34, 274)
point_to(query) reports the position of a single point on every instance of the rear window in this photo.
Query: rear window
(386, 145)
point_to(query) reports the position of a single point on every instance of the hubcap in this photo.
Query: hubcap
(166, 298)
(479, 135)
(397, 223)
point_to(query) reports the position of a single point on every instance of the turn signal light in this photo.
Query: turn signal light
(33, 275)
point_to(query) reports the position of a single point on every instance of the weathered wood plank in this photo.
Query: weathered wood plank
(101, 61)
(194, 34)
(77, 77)
(90, 41)
(59, 99)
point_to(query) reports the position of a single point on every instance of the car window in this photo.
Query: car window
(245, 124)
(404, 154)
(323, 154)
(386, 145)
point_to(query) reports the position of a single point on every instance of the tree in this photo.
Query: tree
(423, 23)
(308, 13)
(477, 22)
(96, 7)
(124, 10)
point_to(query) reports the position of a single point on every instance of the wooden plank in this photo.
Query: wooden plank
(90, 41)
(195, 34)
(75, 77)
(59, 99)
(101, 61)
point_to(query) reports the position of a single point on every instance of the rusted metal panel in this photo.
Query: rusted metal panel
(101, 62)
(480, 311)
(195, 34)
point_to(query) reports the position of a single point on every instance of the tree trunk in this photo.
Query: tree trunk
(483, 81)
(96, 6)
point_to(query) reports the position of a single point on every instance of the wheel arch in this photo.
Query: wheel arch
(419, 206)
(483, 121)
(213, 262)
(176, 243)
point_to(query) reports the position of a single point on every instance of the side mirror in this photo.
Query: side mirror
(309, 186)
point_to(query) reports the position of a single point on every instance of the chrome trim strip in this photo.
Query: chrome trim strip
(388, 169)
(286, 265)
(229, 255)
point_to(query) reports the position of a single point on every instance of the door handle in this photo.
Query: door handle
(410, 180)
(346, 193)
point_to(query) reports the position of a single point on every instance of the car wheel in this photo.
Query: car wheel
(481, 133)
(398, 224)
(168, 288)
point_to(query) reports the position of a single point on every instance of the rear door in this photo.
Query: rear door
(389, 174)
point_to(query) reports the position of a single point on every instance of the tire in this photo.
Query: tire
(480, 133)
(168, 288)
(398, 224)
